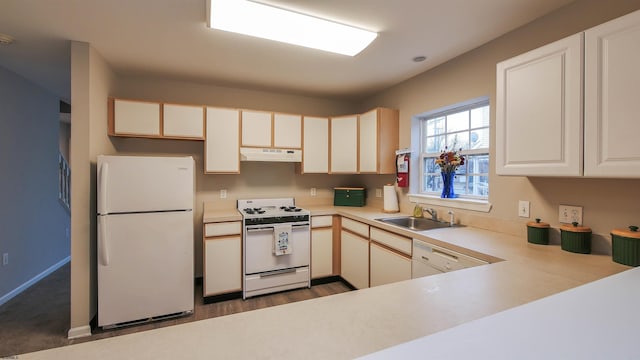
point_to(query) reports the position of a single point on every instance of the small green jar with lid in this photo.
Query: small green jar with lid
(538, 232)
(574, 238)
(625, 246)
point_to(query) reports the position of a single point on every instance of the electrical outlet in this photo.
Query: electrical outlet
(5, 259)
(378, 192)
(223, 194)
(313, 192)
(568, 214)
(523, 208)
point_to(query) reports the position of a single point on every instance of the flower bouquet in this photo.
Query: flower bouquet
(449, 160)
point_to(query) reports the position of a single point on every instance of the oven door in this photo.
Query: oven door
(258, 249)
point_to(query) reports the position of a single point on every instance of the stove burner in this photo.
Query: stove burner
(252, 211)
(290, 208)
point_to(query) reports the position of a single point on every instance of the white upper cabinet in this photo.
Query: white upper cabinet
(222, 146)
(378, 141)
(256, 128)
(183, 121)
(267, 130)
(134, 118)
(368, 132)
(539, 111)
(344, 144)
(315, 157)
(542, 127)
(287, 131)
(612, 77)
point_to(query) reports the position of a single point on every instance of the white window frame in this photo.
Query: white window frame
(471, 202)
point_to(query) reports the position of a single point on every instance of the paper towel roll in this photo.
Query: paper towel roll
(390, 199)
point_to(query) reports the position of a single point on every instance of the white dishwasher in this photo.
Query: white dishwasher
(429, 259)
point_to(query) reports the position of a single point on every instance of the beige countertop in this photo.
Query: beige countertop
(361, 322)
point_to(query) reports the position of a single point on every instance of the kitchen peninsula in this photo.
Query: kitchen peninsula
(363, 322)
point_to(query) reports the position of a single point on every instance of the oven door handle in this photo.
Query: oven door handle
(260, 229)
(277, 272)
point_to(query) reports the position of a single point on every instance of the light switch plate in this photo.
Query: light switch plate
(568, 214)
(223, 194)
(313, 192)
(523, 208)
(378, 192)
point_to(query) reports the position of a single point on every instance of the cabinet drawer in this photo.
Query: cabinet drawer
(356, 227)
(321, 221)
(391, 240)
(223, 228)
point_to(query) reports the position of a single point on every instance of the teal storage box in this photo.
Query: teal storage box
(349, 196)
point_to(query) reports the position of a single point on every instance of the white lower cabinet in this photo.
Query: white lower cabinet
(354, 259)
(388, 266)
(222, 258)
(321, 246)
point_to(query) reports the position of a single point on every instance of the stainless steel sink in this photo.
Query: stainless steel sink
(414, 223)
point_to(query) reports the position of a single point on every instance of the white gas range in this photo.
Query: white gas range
(276, 246)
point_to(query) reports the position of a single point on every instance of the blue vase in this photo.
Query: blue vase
(447, 185)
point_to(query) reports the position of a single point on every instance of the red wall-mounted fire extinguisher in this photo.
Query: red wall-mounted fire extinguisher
(402, 170)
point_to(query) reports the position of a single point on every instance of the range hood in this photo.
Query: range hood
(267, 154)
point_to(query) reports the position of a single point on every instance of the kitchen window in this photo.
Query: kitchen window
(463, 127)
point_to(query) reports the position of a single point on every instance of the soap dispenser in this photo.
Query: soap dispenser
(417, 211)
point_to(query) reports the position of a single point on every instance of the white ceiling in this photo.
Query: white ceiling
(169, 38)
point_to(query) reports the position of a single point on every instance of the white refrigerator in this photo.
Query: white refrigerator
(145, 238)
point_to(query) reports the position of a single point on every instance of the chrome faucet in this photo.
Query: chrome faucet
(451, 219)
(433, 213)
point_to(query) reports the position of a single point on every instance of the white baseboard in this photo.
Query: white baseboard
(13, 293)
(79, 332)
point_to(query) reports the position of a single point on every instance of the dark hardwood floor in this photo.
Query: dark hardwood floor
(38, 318)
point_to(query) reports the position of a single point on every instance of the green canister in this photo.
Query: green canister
(625, 246)
(538, 232)
(574, 238)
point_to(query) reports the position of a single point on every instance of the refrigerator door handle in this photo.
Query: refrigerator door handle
(103, 248)
(102, 193)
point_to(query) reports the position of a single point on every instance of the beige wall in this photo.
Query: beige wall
(91, 81)
(607, 204)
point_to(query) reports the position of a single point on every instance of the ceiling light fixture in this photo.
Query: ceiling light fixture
(267, 22)
(6, 39)
(419, 58)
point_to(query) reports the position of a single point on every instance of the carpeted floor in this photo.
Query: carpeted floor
(38, 318)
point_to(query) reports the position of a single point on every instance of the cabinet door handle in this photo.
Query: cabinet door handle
(444, 254)
(103, 246)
